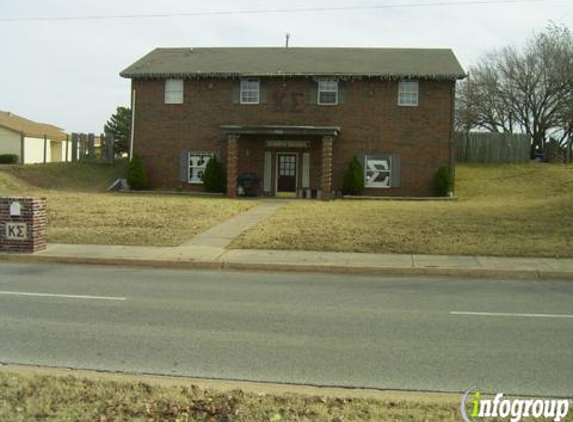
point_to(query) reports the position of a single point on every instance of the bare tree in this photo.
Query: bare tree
(528, 91)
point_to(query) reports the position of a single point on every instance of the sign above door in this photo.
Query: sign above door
(287, 144)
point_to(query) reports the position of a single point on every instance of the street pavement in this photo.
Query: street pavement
(412, 333)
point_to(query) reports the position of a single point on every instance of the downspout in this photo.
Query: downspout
(132, 131)
(452, 146)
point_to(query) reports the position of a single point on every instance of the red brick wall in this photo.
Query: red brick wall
(33, 214)
(370, 119)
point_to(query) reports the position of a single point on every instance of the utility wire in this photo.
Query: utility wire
(266, 11)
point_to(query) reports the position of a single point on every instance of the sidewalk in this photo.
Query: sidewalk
(210, 257)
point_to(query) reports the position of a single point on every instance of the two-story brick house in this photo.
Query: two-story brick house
(295, 117)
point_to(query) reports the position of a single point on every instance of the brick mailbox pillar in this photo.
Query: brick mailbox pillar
(22, 224)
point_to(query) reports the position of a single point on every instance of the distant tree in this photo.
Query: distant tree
(119, 125)
(528, 91)
(353, 181)
(136, 174)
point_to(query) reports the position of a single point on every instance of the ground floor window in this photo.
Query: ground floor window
(377, 171)
(197, 163)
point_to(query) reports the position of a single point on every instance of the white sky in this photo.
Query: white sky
(67, 72)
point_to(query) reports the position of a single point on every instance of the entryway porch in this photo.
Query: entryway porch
(283, 161)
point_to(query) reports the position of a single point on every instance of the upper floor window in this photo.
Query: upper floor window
(408, 93)
(174, 91)
(250, 91)
(327, 92)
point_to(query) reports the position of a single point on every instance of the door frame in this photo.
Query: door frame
(277, 172)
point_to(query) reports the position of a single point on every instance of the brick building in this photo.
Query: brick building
(295, 117)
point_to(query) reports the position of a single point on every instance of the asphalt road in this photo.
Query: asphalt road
(388, 333)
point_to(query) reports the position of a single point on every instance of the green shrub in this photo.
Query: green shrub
(9, 159)
(353, 182)
(215, 176)
(136, 174)
(442, 182)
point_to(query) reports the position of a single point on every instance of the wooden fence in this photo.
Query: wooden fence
(488, 147)
(88, 147)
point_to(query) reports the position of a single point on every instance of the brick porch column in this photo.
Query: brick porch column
(232, 165)
(326, 169)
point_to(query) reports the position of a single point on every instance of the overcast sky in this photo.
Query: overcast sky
(67, 72)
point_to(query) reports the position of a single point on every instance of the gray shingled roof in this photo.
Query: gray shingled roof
(350, 62)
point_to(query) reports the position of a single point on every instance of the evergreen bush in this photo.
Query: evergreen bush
(136, 174)
(442, 182)
(215, 177)
(8, 159)
(353, 182)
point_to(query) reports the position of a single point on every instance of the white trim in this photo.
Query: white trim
(318, 91)
(258, 91)
(277, 172)
(131, 135)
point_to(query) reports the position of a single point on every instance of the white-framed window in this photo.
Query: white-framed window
(408, 93)
(197, 163)
(250, 91)
(327, 92)
(377, 171)
(174, 91)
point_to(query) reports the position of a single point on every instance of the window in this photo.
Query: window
(377, 171)
(327, 92)
(250, 91)
(197, 163)
(408, 93)
(174, 91)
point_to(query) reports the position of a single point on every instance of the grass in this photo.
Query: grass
(80, 211)
(55, 398)
(503, 210)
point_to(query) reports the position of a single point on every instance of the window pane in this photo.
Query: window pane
(174, 91)
(378, 171)
(197, 162)
(327, 91)
(250, 91)
(408, 93)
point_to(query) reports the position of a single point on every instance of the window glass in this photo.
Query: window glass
(250, 91)
(327, 92)
(377, 171)
(408, 93)
(197, 163)
(174, 91)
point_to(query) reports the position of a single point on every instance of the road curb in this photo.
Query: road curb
(484, 273)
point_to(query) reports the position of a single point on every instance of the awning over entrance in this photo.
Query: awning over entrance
(281, 130)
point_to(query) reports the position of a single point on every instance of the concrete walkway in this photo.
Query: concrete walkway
(202, 256)
(222, 234)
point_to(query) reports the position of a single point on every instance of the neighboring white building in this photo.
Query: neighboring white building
(30, 140)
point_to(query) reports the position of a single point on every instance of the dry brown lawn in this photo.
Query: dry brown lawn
(80, 211)
(502, 210)
(52, 398)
